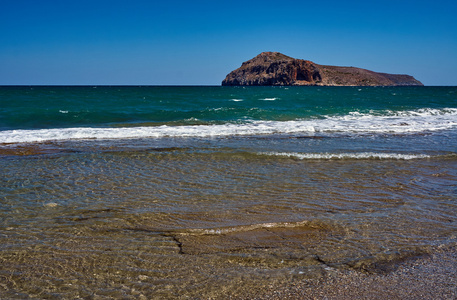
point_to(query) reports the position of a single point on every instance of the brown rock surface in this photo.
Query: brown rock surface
(274, 68)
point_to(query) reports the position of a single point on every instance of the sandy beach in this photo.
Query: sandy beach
(429, 277)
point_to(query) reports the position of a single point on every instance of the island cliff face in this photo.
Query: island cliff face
(274, 68)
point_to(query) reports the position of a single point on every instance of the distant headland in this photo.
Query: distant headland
(274, 68)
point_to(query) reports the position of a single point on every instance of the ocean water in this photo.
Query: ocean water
(211, 192)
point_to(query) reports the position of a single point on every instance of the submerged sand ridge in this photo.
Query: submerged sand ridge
(314, 245)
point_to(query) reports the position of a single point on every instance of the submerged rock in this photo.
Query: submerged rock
(274, 68)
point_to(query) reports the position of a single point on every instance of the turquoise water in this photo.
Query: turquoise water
(64, 107)
(177, 192)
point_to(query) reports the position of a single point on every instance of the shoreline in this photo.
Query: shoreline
(433, 276)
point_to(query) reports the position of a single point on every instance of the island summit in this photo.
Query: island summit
(274, 68)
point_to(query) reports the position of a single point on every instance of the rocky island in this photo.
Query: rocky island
(274, 68)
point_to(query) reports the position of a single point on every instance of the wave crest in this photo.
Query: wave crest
(402, 122)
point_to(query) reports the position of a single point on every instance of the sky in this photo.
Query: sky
(136, 42)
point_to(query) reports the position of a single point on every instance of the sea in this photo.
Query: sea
(211, 192)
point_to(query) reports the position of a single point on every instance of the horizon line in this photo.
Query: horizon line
(195, 85)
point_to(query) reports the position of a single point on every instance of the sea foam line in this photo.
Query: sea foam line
(254, 128)
(360, 155)
(423, 120)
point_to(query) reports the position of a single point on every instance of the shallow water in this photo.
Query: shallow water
(220, 215)
(179, 221)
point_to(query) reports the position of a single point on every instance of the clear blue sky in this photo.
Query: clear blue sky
(198, 42)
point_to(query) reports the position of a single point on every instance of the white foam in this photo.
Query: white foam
(423, 120)
(244, 228)
(269, 99)
(360, 155)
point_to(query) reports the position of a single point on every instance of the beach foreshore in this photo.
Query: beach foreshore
(432, 276)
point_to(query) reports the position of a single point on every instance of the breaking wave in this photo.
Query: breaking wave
(376, 122)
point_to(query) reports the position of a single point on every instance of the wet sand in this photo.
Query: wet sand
(429, 277)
